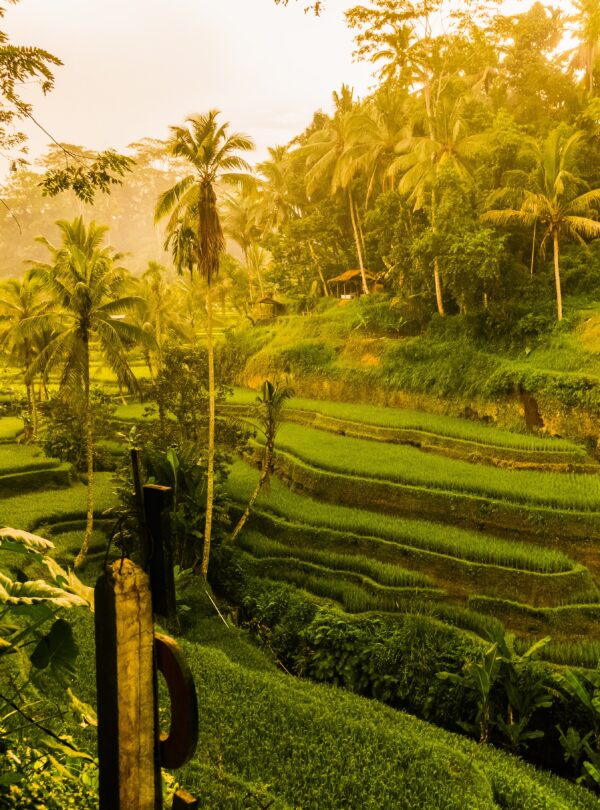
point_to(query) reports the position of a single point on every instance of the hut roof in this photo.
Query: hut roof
(268, 299)
(348, 275)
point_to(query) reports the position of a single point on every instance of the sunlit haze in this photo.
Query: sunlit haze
(132, 68)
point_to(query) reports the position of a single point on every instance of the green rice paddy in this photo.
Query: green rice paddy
(435, 424)
(437, 538)
(409, 466)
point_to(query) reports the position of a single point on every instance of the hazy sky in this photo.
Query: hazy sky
(132, 67)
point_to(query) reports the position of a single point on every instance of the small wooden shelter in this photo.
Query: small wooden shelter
(349, 284)
(268, 308)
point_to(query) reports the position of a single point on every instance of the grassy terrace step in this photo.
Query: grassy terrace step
(461, 561)
(576, 529)
(24, 468)
(409, 466)
(33, 510)
(10, 428)
(480, 444)
(429, 423)
(576, 625)
(383, 573)
(36, 480)
(22, 458)
(295, 744)
(355, 593)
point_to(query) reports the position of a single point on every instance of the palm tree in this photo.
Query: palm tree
(271, 403)
(20, 300)
(446, 143)
(585, 55)
(552, 201)
(158, 313)
(211, 152)
(278, 200)
(85, 281)
(329, 159)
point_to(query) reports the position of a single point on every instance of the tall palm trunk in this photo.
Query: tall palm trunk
(210, 464)
(557, 278)
(264, 474)
(31, 402)
(89, 441)
(436, 265)
(361, 263)
(326, 290)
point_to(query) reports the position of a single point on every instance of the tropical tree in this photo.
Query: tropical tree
(270, 408)
(552, 201)
(585, 55)
(330, 160)
(192, 204)
(447, 144)
(88, 314)
(20, 300)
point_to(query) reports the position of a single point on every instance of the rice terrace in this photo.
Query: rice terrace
(300, 428)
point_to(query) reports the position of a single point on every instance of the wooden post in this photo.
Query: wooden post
(127, 729)
(157, 500)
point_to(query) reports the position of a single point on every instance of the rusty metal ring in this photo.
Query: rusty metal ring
(178, 746)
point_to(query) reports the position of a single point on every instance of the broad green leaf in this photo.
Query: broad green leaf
(29, 593)
(70, 581)
(56, 650)
(22, 540)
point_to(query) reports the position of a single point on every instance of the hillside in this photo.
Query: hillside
(362, 351)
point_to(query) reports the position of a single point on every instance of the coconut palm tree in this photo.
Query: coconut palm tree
(447, 143)
(85, 281)
(330, 160)
(20, 300)
(585, 55)
(192, 204)
(552, 201)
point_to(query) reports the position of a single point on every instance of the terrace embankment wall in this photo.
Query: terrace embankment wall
(521, 410)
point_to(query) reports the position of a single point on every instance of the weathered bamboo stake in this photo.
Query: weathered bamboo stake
(127, 730)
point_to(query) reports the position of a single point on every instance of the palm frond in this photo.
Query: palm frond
(171, 198)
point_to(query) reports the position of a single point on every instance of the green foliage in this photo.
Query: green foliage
(584, 688)
(86, 177)
(26, 655)
(308, 357)
(63, 433)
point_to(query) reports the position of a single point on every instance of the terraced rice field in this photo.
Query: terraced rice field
(428, 423)
(360, 458)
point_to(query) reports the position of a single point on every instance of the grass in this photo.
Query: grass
(10, 427)
(406, 465)
(433, 537)
(429, 423)
(384, 573)
(355, 593)
(16, 458)
(270, 740)
(33, 510)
